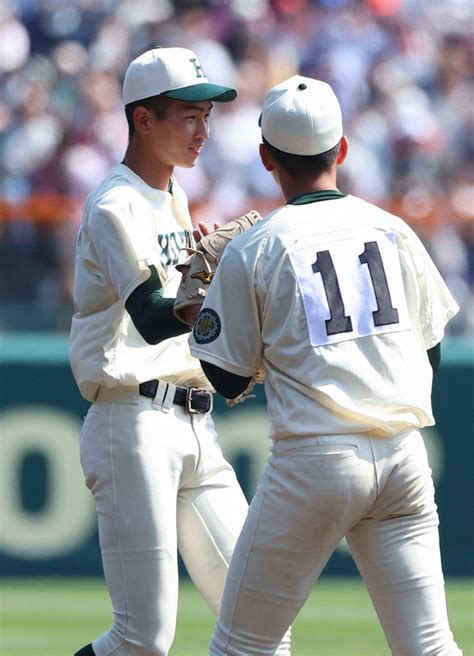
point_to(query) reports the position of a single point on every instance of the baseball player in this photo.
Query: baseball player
(148, 444)
(341, 304)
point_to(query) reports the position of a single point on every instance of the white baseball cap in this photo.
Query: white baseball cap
(301, 116)
(172, 72)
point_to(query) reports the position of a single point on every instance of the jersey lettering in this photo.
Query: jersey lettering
(171, 243)
(354, 288)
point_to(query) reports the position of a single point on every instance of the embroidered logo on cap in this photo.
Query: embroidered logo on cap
(197, 68)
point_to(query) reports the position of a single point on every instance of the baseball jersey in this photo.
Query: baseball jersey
(127, 226)
(340, 301)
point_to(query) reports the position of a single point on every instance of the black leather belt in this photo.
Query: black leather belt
(191, 398)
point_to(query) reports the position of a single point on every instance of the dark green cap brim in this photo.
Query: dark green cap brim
(204, 91)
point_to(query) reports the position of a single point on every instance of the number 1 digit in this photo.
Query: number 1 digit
(339, 322)
(385, 313)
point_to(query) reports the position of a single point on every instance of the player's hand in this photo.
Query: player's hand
(204, 230)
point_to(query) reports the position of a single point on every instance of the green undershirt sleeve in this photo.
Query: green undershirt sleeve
(227, 384)
(152, 315)
(434, 356)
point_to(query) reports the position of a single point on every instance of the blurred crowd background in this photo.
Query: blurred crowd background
(403, 70)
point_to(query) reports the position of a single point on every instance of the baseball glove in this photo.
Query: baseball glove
(198, 270)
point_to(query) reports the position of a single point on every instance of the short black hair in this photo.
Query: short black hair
(157, 104)
(297, 165)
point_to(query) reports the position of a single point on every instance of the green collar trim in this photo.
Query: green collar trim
(316, 196)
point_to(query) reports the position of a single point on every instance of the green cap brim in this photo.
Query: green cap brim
(204, 91)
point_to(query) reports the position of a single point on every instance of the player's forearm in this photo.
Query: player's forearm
(156, 322)
(152, 315)
(228, 385)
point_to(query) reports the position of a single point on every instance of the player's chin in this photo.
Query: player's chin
(191, 158)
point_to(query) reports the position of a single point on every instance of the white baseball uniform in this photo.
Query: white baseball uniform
(340, 301)
(158, 476)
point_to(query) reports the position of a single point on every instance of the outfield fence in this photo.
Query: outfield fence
(48, 521)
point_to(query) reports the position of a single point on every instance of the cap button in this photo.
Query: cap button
(302, 86)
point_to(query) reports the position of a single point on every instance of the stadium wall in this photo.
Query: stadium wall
(48, 523)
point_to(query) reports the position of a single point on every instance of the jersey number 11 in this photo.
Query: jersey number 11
(339, 322)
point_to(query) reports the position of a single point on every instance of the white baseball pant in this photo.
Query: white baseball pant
(160, 483)
(315, 490)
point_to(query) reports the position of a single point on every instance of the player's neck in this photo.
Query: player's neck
(292, 188)
(152, 171)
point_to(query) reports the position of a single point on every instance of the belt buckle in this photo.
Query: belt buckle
(189, 399)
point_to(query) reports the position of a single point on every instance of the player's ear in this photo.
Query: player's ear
(343, 150)
(141, 119)
(266, 157)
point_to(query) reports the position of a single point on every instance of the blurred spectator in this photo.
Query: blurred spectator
(403, 70)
